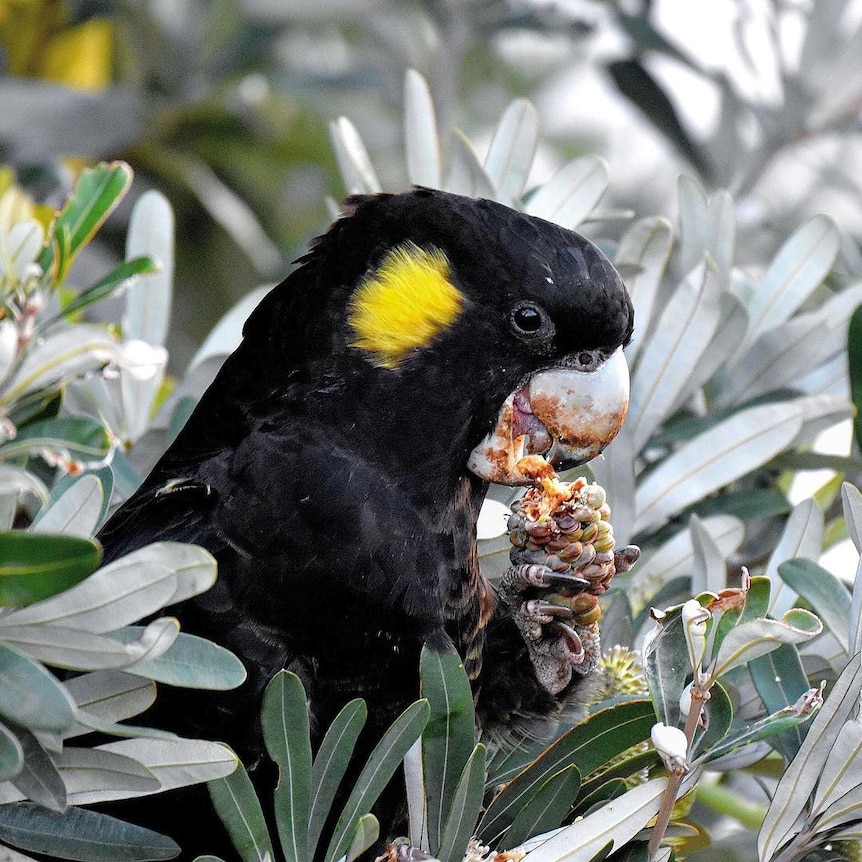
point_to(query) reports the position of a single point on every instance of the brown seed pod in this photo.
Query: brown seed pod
(566, 527)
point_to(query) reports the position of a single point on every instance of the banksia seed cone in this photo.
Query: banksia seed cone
(566, 527)
(563, 546)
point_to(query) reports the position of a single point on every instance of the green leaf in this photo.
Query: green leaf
(780, 681)
(109, 696)
(65, 353)
(77, 511)
(547, 809)
(674, 558)
(841, 772)
(756, 606)
(854, 364)
(103, 288)
(35, 566)
(615, 824)
(11, 754)
(190, 662)
(758, 637)
(86, 771)
(748, 504)
(449, 736)
(173, 761)
(284, 717)
(801, 776)
(126, 589)
(728, 620)
(641, 89)
(823, 591)
(719, 717)
(817, 461)
(365, 833)
(79, 437)
(39, 780)
(71, 649)
(626, 768)
(95, 195)
(607, 790)
(509, 760)
(237, 805)
(82, 835)
(330, 765)
(589, 744)
(464, 809)
(380, 767)
(757, 600)
(779, 722)
(667, 664)
(846, 809)
(30, 696)
(126, 477)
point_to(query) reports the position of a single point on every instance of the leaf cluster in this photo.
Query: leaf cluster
(73, 661)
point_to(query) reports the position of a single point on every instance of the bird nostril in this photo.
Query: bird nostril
(587, 360)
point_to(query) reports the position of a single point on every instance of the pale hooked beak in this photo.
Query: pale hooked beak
(567, 415)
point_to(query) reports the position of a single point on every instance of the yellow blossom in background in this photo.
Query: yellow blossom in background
(40, 42)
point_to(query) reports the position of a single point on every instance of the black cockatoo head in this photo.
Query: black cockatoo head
(436, 325)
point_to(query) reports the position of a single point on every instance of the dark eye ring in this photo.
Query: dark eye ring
(527, 319)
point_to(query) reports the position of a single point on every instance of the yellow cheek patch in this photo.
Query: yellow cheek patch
(404, 304)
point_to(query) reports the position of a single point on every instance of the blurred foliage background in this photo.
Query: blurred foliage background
(224, 105)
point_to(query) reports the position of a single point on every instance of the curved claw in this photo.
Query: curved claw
(570, 582)
(547, 612)
(519, 579)
(576, 646)
(625, 558)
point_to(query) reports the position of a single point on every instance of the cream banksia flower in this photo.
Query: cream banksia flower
(621, 674)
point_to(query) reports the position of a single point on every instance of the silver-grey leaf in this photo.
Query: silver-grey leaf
(641, 258)
(800, 778)
(802, 537)
(725, 452)
(686, 326)
(572, 193)
(421, 142)
(510, 155)
(76, 512)
(353, 159)
(800, 265)
(148, 297)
